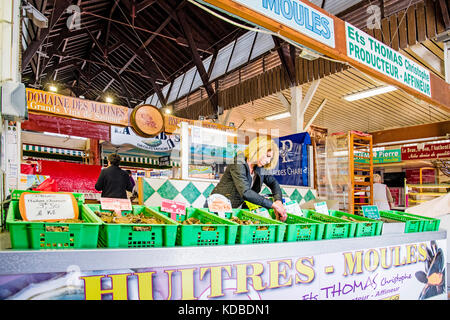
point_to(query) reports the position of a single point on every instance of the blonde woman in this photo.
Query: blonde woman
(382, 197)
(242, 180)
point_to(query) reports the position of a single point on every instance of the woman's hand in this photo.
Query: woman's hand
(279, 210)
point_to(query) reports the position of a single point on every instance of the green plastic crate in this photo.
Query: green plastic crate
(335, 228)
(34, 235)
(428, 224)
(301, 228)
(251, 234)
(124, 235)
(411, 224)
(365, 228)
(193, 235)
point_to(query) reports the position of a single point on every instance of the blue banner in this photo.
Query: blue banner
(293, 160)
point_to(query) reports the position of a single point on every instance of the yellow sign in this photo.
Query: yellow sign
(46, 102)
(172, 123)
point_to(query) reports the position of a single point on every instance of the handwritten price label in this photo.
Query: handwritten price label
(174, 208)
(48, 206)
(371, 212)
(116, 204)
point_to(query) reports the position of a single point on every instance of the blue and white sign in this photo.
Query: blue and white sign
(296, 15)
(163, 142)
(293, 159)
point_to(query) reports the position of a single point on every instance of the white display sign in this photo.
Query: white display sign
(321, 207)
(296, 15)
(380, 57)
(163, 142)
(293, 207)
(49, 206)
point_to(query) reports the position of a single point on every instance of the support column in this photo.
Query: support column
(447, 60)
(11, 146)
(297, 116)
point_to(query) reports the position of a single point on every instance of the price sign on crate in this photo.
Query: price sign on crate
(116, 204)
(48, 206)
(219, 204)
(371, 212)
(173, 207)
(321, 207)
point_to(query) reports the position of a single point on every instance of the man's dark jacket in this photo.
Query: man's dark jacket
(113, 182)
(236, 185)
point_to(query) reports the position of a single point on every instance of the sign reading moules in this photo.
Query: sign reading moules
(296, 15)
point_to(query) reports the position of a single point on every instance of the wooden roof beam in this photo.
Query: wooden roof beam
(287, 59)
(58, 11)
(197, 60)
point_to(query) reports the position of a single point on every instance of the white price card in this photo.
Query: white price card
(321, 207)
(292, 207)
(263, 212)
(48, 206)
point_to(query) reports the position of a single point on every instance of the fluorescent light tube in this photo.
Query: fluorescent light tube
(369, 93)
(278, 116)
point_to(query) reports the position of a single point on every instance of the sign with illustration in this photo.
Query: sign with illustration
(293, 159)
(382, 58)
(147, 120)
(408, 271)
(163, 142)
(51, 103)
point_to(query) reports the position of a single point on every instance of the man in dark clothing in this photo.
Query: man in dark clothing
(114, 182)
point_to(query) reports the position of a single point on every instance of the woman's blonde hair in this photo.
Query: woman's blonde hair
(376, 178)
(259, 147)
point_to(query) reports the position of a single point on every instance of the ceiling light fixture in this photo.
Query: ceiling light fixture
(369, 93)
(53, 88)
(278, 116)
(109, 100)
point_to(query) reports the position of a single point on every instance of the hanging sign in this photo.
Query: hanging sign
(173, 207)
(116, 204)
(147, 120)
(47, 102)
(298, 16)
(48, 206)
(428, 151)
(163, 142)
(371, 212)
(293, 159)
(380, 57)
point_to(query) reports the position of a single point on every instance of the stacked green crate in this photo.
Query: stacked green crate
(335, 228)
(364, 227)
(266, 230)
(133, 235)
(412, 224)
(301, 228)
(427, 223)
(212, 231)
